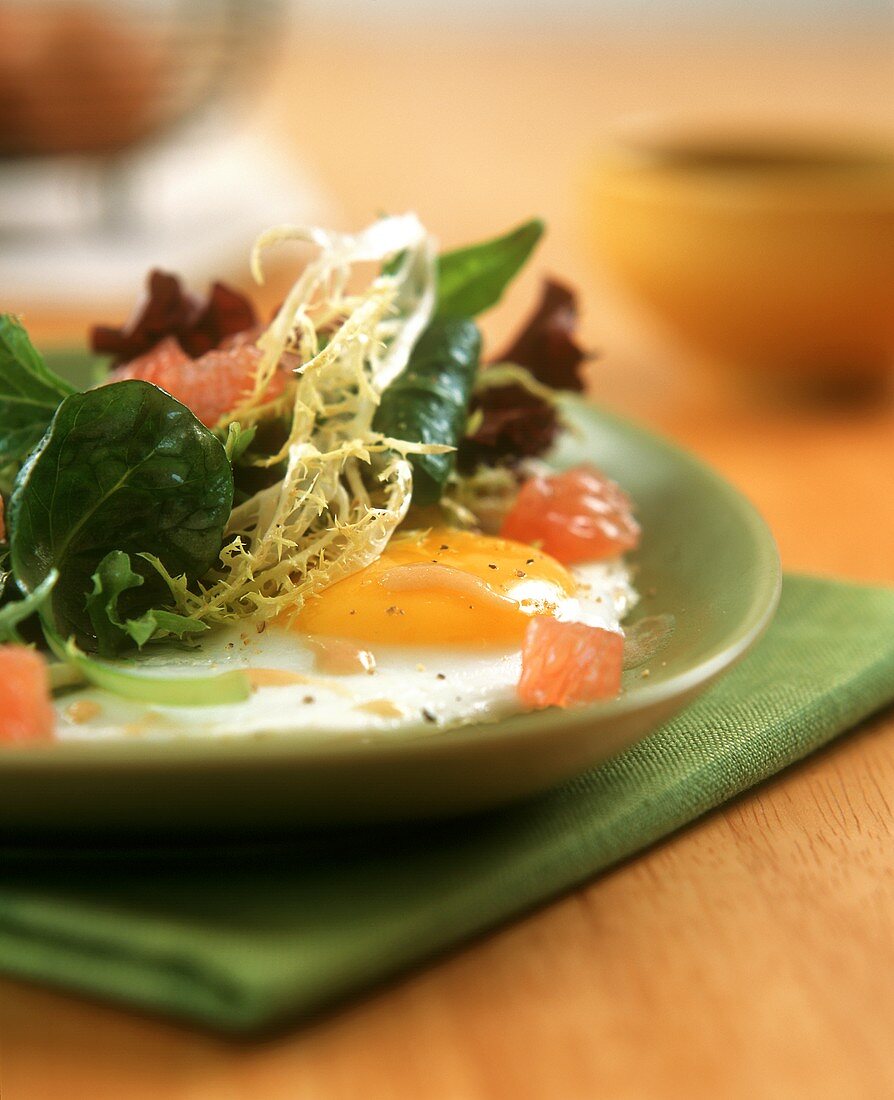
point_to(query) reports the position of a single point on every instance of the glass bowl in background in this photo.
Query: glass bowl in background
(129, 139)
(96, 77)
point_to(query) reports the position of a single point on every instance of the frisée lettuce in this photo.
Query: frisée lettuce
(131, 521)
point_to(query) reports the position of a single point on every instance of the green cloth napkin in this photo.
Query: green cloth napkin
(246, 938)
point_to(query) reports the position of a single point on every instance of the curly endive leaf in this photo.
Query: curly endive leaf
(344, 487)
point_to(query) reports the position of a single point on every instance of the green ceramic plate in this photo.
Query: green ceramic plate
(706, 558)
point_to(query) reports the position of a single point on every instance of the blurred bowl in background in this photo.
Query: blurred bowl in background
(768, 253)
(96, 77)
(127, 141)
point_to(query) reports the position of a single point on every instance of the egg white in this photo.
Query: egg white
(439, 686)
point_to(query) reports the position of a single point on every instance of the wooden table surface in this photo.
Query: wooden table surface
(750, 955)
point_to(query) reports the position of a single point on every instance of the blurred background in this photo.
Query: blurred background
(686, 155)
(171, 131)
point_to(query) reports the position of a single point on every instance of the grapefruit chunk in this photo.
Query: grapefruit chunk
(577, 515)
(565, 663)
(210, 386)
(26, 713)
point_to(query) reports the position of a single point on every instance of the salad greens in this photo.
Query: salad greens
(126, 680)
(471, 280)
(213, 690)
(238, 440)
(115, 578)
(430, 400)
(124, 467)
(546, 345)
(122, 523)
(18, 611)
(29, 393)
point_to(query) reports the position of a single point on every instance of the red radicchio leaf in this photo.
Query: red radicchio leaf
(546, 345)
(515, 424)
(225, 313)
(169, 310)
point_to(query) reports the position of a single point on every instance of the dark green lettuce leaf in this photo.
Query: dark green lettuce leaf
(29, 392)
(472, 279)
(113, 582)
(124, 467)
(428, 403)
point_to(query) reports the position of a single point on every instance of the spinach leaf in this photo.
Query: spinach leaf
(11, 614)
(472, 279)
(113, 579)
(428, 403)
(29, 393)
(124, 467)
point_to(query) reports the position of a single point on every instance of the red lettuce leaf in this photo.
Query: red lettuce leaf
(515, 424)
(224, 313)
(546, 345)
(198, 324)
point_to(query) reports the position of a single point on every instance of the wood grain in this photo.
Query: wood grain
(752, 954)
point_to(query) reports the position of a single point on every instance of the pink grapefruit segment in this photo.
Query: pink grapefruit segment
(26, 712)
(210, 386)
(576, 515)
(565, 663)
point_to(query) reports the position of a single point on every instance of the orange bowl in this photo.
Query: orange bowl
(770, 254)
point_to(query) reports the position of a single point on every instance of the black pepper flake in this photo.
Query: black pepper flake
(261, 627)
(441, 676)
(428, 716)
(308, 699)
(443, 546)
(490, 566)
(393, 610)
(520, 573)
(530, 561)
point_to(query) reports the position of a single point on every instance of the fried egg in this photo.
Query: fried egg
(430, 632)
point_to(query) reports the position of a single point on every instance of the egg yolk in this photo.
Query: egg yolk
(441, 587)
